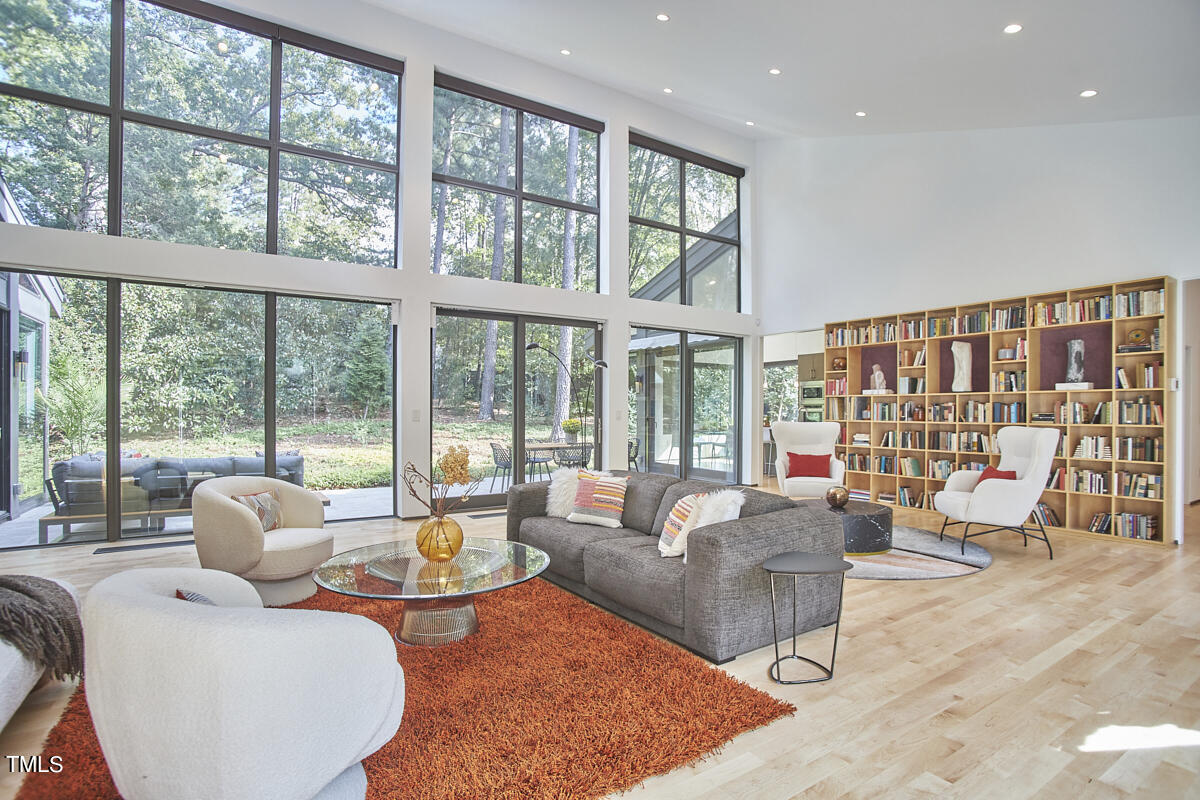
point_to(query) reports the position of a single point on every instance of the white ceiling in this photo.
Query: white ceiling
(912, 65)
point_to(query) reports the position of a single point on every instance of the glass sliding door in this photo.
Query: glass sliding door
(473, 398)
(192, 398)
(56, 370)
(333, 402)
(713, 370)
(655, 401)
(684, 404)
(560, 397)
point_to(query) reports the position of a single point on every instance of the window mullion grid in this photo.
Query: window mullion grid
(273, 152)
(684, 290)
(116, 101)
(518, 213)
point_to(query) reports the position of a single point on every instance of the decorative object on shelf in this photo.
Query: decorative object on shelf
(1074, 361)
(961, 351)
(837, 496)
(440, 538)
(878, 379)
(838, 363)
(1136, 336)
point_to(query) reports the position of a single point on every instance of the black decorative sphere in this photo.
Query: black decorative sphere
(837, 496)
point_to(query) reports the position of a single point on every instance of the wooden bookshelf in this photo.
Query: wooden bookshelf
(1018, 347)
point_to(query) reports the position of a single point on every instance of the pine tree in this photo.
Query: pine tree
(367, 371)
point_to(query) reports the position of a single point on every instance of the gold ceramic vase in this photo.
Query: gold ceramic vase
(439, 538)
(440, 577)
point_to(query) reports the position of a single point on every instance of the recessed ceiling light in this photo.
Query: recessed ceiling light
(668, 90)
(860, 113)
(775, 71)
(565, 52)
(750, 123)
(663, 17)
(1088, 93)
(1014, 28)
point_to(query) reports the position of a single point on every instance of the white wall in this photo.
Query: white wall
(425, 49)
(872, 225)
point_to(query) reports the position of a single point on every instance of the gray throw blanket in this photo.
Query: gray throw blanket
(39, 618)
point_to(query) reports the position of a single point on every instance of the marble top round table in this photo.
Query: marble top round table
(866, 526)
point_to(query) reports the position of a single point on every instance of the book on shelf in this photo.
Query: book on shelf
(888, 439)
(1055, 481)
(887, 497)
(975, 411)
(1093, 447)
(1136, 526)
(1046, 515)
(1140, 304)
(976, 322)
(906, 385)
(1087, 481)
(837, 386)
(885, 465)
(860, 408)
(1008, 412)
(1139, 448)
(1142, 411)
(1008, 318)
(858, 462)
(1101, 523)
(974, 466)
(911, 467)
(940, 468)
(1042, 416)
(941, 412)
(1008, 381)
(911, 411)
(859, 494)
(912, 329)
(861, 439)
(1139, 484)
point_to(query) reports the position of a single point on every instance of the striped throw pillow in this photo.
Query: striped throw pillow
(599, 500)
(673, 539)
(265, 506)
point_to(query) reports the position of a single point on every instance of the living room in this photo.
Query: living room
(323, 245)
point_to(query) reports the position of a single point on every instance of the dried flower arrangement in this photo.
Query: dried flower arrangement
(454, 466)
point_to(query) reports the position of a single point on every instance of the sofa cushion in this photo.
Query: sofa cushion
(760, 502)
(290, 552)
(565, 541)
(642, 499)
(672, 496)
(599, 499)
(631, 572)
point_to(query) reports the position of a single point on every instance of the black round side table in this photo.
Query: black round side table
(867, 526)
(796, 564)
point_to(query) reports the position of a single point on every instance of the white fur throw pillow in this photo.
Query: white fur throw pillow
(564, 483)
(721, 506)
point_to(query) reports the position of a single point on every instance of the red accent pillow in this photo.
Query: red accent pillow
(990, 472)
(802, 466)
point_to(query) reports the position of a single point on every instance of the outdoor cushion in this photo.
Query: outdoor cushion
(565, 541)
(631, 572)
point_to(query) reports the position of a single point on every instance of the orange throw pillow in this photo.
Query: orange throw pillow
(990, 472)
(808, 466)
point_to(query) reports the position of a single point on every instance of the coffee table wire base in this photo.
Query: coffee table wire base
(775, 671)
(436, 622)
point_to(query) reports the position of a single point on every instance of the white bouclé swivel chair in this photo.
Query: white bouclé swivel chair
(192, 701)
(1002, 504)
(807, 438)
(278, 563)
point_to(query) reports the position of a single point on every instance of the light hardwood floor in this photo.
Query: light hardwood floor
(990, 685)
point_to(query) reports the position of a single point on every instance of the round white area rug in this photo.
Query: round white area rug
(918, 555)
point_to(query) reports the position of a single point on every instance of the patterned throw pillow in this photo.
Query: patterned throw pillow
(673, 539)
(193, 597)
(599, 500)
(564, 483)
(265, 506)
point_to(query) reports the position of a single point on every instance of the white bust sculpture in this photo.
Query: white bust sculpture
(962, 366)
(878, 380)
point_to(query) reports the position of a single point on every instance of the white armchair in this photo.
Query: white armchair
(192, 701)
(1002, 504)
(807, 438)
(278, 563)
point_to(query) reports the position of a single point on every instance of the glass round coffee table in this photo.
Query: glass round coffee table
(439, 596)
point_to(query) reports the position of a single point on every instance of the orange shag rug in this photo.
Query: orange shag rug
(552, 698)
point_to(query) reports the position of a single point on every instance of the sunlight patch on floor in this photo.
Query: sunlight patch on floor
(1137, 737)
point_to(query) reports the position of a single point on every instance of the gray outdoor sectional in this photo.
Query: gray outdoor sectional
(151, 487)
(718, 604)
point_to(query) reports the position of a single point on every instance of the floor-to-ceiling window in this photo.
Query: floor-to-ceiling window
(781, 392)
(333, 401)
(684, 226)
(194, 402)
(187, 122)
(515, 189)
(684, 408)
(55, 373)
(520, 393)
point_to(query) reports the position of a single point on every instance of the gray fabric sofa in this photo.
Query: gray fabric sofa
(718, 604)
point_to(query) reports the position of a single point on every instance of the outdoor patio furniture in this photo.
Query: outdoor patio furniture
(631, 448)
(502, 460)
(574, 456)
(536, 462)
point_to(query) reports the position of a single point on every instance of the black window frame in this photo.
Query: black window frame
(521, 107)
(277, 36)
(684, 158)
